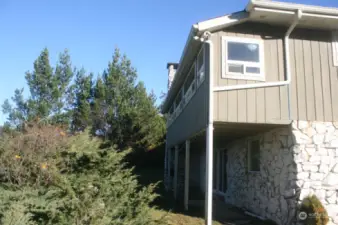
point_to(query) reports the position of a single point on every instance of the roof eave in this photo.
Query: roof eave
(191, 35)
(197, 29)
(222, 21)
(236, 18)
(291, 6)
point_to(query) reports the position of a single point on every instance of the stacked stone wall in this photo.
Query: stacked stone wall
(295, 161)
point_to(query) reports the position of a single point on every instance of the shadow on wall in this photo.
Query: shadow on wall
(300, 162)
(296, 161)
(274, 190)
(305, 165)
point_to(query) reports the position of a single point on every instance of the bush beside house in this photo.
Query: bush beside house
(50, 178)
(316, 214)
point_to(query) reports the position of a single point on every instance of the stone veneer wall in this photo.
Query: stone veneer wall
(296, 161)
(316, 155)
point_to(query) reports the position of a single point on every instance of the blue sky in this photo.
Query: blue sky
(150, 32)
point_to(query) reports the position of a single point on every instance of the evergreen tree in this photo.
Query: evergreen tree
(41, 85)
(116, 106)
(119, 81)
(99, 108)
(83, 94)
(123, 111)
(63, 89)
(150, 124)
(18, 113)
(49, 92)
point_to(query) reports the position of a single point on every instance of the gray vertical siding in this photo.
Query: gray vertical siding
(315, 75)
(193, 118)
(314, 86)
(314, 78)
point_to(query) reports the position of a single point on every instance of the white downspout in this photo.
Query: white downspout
(212, 89)
(287, 67)
(210, 135)
(287, 56)
(210, 129)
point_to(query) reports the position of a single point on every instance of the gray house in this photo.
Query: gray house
(253, 111)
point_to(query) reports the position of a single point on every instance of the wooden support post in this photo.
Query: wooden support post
(176, 172)
(186, 176)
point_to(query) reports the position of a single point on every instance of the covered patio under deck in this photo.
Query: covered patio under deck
(188, 169)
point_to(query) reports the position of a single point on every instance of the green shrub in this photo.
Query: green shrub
(315, 211)
(47, 177)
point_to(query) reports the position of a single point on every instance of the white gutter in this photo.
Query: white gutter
(199, 29)
(258, 5)
(209, 137)
(304, 13)
(319, 16)
(287, 66)
(291, 7)
(219, 22)
(192, 32)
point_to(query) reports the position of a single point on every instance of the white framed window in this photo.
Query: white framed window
(335, 47)
(190, 83)
(254, 156)
(242, 58)
(200, 66)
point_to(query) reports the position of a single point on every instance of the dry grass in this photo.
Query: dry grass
(179, 219)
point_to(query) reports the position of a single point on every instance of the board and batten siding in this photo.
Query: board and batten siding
(314, 85)
(193, 118)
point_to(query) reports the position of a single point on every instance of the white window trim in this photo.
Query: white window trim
(245, 76)
(200, 81)
(249, 155)
(335, 47)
